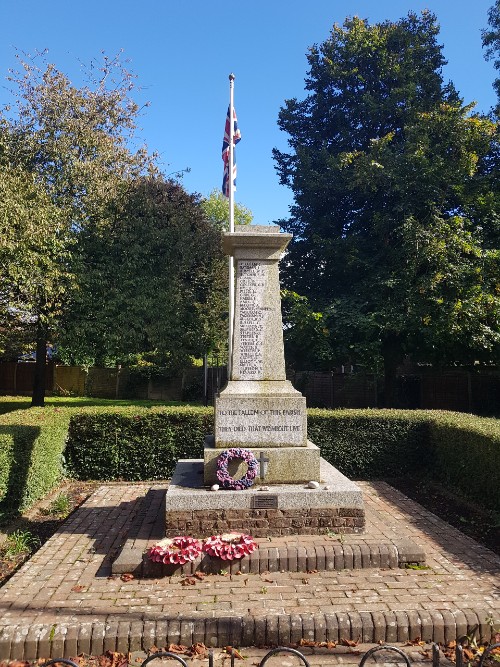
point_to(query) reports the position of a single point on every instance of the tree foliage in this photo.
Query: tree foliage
(216, 208)
(394, 214)
(71, 145)
(491, 40)
(147, 281)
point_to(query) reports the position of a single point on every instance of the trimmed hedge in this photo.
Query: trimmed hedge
(369, 444)
(465, 454)
(135, 443)
(31, 446)
(462, 451)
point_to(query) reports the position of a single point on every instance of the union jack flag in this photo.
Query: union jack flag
(225, 152)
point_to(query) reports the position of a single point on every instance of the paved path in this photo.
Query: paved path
(63, 600)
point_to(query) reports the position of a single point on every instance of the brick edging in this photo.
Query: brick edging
(29, 642)
(301, 558)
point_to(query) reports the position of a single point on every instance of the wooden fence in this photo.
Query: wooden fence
(461, 391)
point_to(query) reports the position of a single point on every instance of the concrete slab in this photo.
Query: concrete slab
(186, 491)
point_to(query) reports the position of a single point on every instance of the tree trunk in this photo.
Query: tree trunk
(38, 396)
(392, 353)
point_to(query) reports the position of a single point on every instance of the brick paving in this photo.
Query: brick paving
(64, 602)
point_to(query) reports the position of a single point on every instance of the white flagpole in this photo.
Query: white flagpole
(231, 224)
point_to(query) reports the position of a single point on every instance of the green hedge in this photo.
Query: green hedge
(134, 443)
(462, 451)
(465, 455)
(369, 444)
(31, 446)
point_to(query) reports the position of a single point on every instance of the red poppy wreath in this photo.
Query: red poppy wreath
(229, 546)
(175, 550)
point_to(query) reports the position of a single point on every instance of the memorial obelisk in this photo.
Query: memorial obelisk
(260, 412)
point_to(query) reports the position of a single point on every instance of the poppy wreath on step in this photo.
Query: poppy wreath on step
(229, 546)
(175, 550)
(225, 478)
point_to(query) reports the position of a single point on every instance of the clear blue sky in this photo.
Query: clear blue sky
(184, 50)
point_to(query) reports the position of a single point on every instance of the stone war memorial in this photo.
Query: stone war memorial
(260, 476)
(276, 481)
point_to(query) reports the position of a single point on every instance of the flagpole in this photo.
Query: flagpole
(231, 224)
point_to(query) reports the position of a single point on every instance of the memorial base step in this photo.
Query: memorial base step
(285, 465)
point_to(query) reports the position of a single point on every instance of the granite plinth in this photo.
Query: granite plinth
(280, 509)
(260, 414)
(286, 465)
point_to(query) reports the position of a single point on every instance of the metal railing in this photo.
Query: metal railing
(436, 656)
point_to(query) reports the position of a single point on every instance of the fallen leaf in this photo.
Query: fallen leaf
(311, 571)
(127, 576)
(177, 648)
(232, 651)
(307, 642)
(305, 581)
(415, 642)
(188, 581)
(349, 642)
(198, 650)
(79, 588)
(200, 575)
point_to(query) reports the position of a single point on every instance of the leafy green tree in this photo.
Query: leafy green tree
(74, 141)
(306, 336)
(491, 40)
(146, 281)
(392, 202)
(216, 208)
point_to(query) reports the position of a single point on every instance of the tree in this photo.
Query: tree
(306, 337)
(74, 142)
(34, 254)
(391, 200)
(216, 208)
(491, 40)
(146, 281)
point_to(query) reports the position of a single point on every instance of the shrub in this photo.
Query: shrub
(460, 450)
(135, 444)
(465, 453)
(371, 443)
(31, 447)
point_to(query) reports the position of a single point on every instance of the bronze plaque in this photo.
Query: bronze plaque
(264, 502)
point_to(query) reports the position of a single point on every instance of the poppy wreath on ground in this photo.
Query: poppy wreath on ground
(175, 550)
(222, 472)
(229, 546)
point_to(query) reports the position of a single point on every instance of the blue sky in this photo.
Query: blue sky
(184, 50)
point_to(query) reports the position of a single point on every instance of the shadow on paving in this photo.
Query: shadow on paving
(108, 528)
(452, 541)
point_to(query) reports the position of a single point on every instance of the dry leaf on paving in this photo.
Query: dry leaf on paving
(79, 588)
(349, 642)
(177, 648)
(415, 642)
(188, 581)
(127, 576)
(200, 575)
(198, 650)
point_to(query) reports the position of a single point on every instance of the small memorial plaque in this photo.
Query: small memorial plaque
(264, 502)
